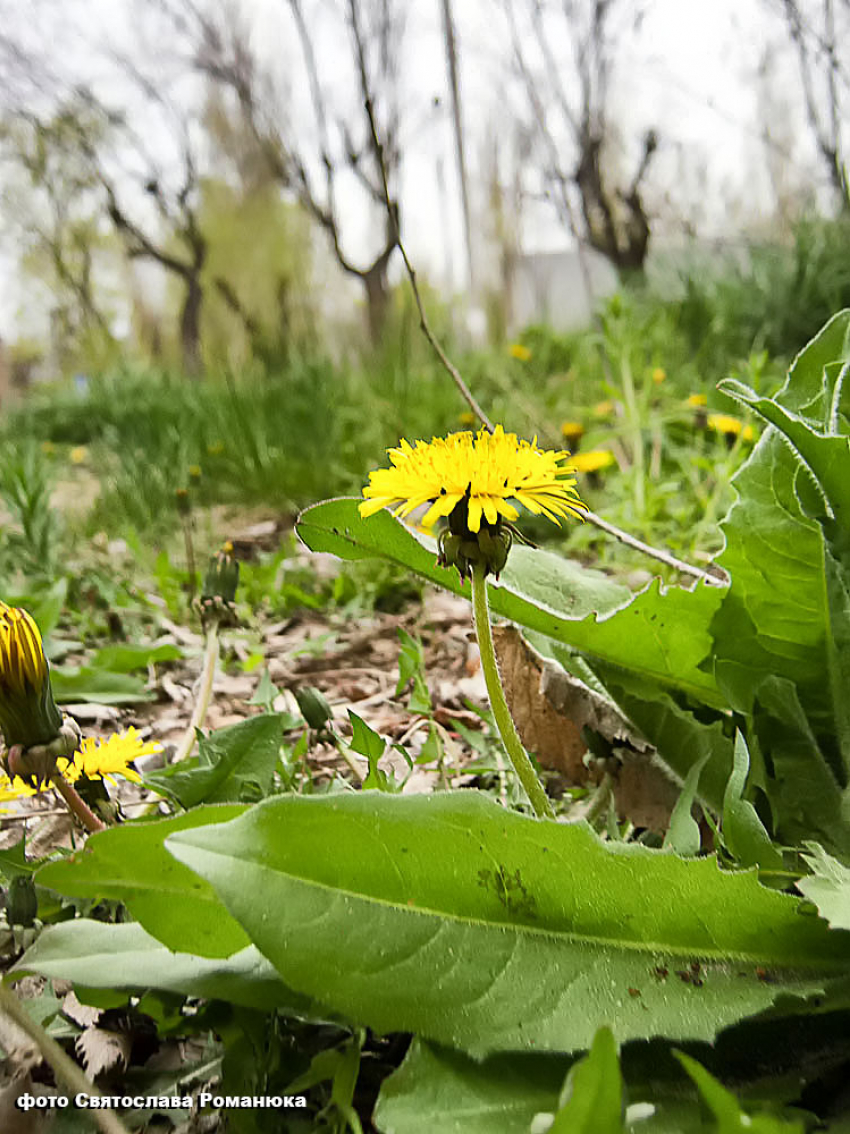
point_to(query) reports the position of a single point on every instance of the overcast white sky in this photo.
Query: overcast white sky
(689, 73)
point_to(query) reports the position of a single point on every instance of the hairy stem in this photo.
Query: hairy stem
(502, 714)
(76, 804)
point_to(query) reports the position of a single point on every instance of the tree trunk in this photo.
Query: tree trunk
(190, 327)
(377, 301)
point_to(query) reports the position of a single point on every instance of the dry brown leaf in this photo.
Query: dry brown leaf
(550, 708)
(101, 1050)
(83, 1014)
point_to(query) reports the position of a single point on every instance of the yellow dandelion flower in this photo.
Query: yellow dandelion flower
(729, 426)
(658, 375)
(603, 409)
(485, 469)
(696, 401)
(593, 461)
(79, 455)
(105, 759)
(572, 431)
(195, 472)
(520, 352)
(13, 789)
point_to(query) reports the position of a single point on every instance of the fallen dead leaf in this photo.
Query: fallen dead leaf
(550, 708)
(101, 1050)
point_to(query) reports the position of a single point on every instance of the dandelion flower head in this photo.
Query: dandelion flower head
(104, 759)
(488, 470)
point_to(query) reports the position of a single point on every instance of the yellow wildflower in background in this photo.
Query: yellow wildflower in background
(104, 759)
(467, 418)
(79, 455)
(603, 409)
(592, 461)
(484, 469)
(658, 375)
(215, 447)
(572, 431)
(730, 426)
(519, 352)
(697, 400)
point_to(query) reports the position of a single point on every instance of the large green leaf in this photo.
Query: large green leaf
(98, 955)
(125, 657)
(475, 926)
(660, 634)
(782, 635)
(86, 683)
(437, 1089)
(129, 864)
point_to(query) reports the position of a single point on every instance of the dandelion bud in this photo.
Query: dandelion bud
(314, 706)
(222, 577)
(28, 714)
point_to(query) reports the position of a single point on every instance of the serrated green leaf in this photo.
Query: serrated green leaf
(743, 831)
(129, 864)
(661, 634)
(777, 626)
(826, 455)
(103, 956)
(235, 763)
(595, 1104)
(436, 1089)
(449, 916)
(810, 388)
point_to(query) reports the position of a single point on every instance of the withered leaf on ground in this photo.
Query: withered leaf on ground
(100, 1050)
(551, 707)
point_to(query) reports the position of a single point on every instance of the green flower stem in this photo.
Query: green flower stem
(634, 419)
(202, 704)
(64, 1068)
(502, 714)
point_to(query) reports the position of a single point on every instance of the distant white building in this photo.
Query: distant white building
(549, 287)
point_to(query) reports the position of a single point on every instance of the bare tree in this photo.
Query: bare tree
(572, 103)
(340, 142)
(54, 207)
(820, 36)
